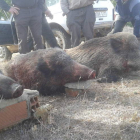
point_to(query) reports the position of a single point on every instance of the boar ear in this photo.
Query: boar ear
(116, 44)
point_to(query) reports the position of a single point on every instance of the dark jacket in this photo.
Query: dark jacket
(45, 8)
(134, 8)
(123, 10)
(130, 11)
(21, 4)
(135, 14)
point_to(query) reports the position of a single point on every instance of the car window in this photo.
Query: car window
(51, 2)
(4, 15)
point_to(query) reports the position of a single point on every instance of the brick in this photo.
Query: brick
(16, 110)
(13, 114)
(73, 92)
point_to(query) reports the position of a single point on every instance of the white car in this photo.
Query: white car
(104, 10)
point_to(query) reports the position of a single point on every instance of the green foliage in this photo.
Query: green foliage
(129, 24)
(51, 2)
(113, 2)
(2, 15)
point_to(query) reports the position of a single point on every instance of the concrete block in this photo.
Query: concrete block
(74, 89)
(16, 110)
(81, 85)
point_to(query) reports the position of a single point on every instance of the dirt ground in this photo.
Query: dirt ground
(109, 111)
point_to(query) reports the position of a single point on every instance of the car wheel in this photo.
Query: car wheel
(62, 37)
(5, 54)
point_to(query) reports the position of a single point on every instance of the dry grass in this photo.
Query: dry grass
(113, 115)
(109, 111)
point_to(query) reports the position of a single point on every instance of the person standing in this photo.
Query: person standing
(128, 10)
(27, 13)
(46, 30)
(134, 8)
(123, 15)
(80, 17)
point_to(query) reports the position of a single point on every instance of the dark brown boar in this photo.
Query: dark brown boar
(111, 56)
(47, 70)
(9, 88)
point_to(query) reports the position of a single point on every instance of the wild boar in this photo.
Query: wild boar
(111, 56)
(47, 70)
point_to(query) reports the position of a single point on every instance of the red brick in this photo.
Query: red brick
(13, 114)
(73, 92)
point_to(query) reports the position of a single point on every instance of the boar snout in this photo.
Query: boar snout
(17, 90)
(84, 72)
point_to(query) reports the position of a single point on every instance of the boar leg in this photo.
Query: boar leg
(107, 74)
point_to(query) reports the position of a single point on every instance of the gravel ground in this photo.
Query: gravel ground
(109, 111)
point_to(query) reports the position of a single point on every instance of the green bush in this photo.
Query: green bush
(2, 15)
(113, 2)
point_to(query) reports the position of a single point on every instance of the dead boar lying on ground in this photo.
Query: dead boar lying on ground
(47, 70)
(9, 88)
(111, 56)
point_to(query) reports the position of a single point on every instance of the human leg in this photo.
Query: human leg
(21, 23)
(74, 28)
(88, 24)
(119, 24)
(48, 34)
(35, 26)
(137, 28)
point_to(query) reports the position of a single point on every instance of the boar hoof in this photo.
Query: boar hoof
(109, 79)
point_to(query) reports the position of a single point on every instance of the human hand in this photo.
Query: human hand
(63, 14)
(14, 10)
(49, 14)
